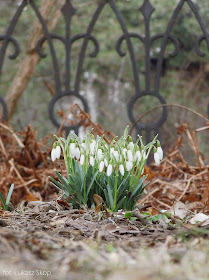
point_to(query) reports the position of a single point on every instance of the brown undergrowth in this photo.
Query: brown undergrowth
(25, 161)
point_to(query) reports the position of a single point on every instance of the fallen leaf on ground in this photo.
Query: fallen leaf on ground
(178, 210)
(199, 218)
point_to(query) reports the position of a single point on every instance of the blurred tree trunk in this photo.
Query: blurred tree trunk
(50, 10)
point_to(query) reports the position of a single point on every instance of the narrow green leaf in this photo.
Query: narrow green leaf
(3, 201)
(9, 194)
(140, 184)
(58, 184)
(91, 183)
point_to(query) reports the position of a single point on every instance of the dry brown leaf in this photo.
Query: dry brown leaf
(98, 200)
(179, 210)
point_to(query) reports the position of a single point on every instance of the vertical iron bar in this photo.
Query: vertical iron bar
(164, 41)
(129, 44)
(85, 43)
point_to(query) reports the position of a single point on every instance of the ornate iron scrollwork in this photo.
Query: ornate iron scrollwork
(72, 88)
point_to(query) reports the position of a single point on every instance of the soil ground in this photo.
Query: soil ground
(44, 242)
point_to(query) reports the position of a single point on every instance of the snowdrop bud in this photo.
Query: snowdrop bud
(131, 144)
(53, 154)
(82, 159)
(129, 165)
(159, 150)
(58, 152)
(101, 166)
(109, 170)
(72, 149)
(121, 169)
(156, 157)
(77, 153)
(91, 161)
(130, 155)
(142, 171)
(106, 162)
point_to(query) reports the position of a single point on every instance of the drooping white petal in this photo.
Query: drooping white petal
(109, 170)
(77, 153)
(101, 166)
(121, 169)
(160, 152)
(58, 152)
(91, 160)
(106, 162)
(83, 145)
(53, 154)
(82, 160)
(72, 149)
(131, 146)
(129, 165)
(130, 155)
(157, 158)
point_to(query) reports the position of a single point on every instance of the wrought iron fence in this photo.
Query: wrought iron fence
(72, 88)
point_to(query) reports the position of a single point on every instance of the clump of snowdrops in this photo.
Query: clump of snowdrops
(112, 171)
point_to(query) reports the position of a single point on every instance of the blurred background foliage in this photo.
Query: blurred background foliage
(107, 80)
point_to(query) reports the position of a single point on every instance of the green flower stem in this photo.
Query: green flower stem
(84, 188)
(115, 191)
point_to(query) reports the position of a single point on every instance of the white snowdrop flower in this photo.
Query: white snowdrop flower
(159, 150)
(99, 154)
(121, 169)
(83, 145)
(138, 157)
(53, 154)
(101, 166)
(131, 146)
(112, 150)
(130, 155)
(156, 157)
(129, 165)
(109, 170)
(72, 149)
(91, 161)
(116, 155)
(58, 152)
(106, 162)
(77, 153)
(142, 171)
(82, 159)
